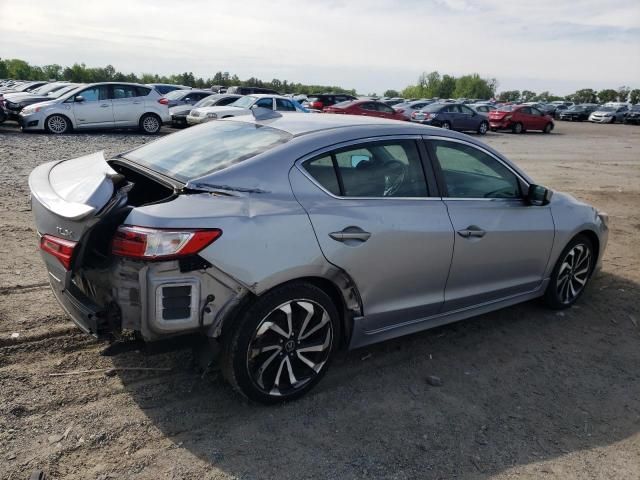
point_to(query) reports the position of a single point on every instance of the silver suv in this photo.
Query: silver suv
(99, 105)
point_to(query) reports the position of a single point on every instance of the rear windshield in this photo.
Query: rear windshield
(214, 146)
(434, 107)
(506, 108)
(176, 94)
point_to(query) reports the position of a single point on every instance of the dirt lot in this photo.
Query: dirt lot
(527, 393)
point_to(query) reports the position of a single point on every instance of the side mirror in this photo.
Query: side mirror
(79, 98)
(356, 159)
(539, 195)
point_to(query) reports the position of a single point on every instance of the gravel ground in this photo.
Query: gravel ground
(527, 393)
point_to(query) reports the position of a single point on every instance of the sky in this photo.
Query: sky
(369, 45)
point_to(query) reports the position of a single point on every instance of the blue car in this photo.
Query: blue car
(451, 116)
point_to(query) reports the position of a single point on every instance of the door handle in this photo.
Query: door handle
(350, 233)
(472, 231)
(137, 103)
(104, 105)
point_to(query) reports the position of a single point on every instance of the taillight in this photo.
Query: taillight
(154, 244)
(60, 248)
(316, 105)
(163, 101)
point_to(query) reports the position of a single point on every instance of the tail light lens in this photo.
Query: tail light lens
(60, 248)
(316, 105)
(163, 101)
(154, 244)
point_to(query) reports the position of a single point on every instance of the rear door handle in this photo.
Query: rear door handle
(350, 233)
(104, 105)
(472, 231)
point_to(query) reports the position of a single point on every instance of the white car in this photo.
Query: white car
(608, 114)
(99, 105)
(243, 106)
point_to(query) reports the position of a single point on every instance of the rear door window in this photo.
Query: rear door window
(374, 169)
(284, 105)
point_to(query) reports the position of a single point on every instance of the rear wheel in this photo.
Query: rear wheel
(150, 123)
(57, 124)
(281, 345)
(517, 128)
(483, 127)
(547, 128)
(571, 273)
(446, 125)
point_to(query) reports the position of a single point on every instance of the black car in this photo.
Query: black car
(633, 115)
(251, 90)
(186, 97)
(319, 101)
(578, 113)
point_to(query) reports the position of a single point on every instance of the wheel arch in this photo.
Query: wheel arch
(595, 241)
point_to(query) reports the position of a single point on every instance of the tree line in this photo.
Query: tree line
(80, 73)
(429, 85)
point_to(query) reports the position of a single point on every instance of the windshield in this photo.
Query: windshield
(176, 94)
(607, 109)
(244, 102)
(62, 91)
(50, 87)
(206, 101)
(212, 147)
(577, 108)
(434, 107)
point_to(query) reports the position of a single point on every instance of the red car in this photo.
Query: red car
(369, 108)
(519, 118)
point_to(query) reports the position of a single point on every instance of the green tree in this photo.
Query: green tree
(607, 95)
(509, 96)
(472, 86)
(623, 93)
(447, 87)
(527, 95)
(585, 95)
(634, 95)
(391, 93)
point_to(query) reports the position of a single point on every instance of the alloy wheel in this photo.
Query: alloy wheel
(574, 273)
(57, 124)
(290, 347)
(483, 128)
(150, 124)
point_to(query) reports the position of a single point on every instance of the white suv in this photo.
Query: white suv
(100, 105)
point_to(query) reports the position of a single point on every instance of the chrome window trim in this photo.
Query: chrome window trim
(483, 150)
(317, 153)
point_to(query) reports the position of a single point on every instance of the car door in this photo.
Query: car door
(284, 105)
(452, 115)
(95, 108)
(128, 106)
(538, 120)
(385, 111)
(374, 218)
(265, 102)
(468, 118)
(502, 244)
(367, 109)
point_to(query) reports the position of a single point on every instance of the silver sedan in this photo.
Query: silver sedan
(282, 238)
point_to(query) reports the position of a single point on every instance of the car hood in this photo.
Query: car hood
(17, 97)
(602, 112)
(48, 103)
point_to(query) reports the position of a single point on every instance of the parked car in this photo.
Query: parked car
(14, 103)
(407, 108)
(164, 88)
(251, 91)
(266, 238)
(320, 101)
(451, 116)
(608, 114)
(519, 119)
(393, 101)
(99, 105)
(577, 113)
(22, 87)
(482, 108)
(559, 109)
(370, 108)
(179, 113)
(633, 115)
(243, 106)
(186, 97)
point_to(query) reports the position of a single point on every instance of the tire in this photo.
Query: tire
(446, 125)
(517, 128)
(483, 127)
(547, 128)
(57, 124)
(575, 265)
(290, 371)
(150, 123)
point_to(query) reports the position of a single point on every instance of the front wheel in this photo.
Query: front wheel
(57, 124)
(571, 273)
(150, 124)
(280, 346)
(446, 125)
(483, 127)
(547, 128)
